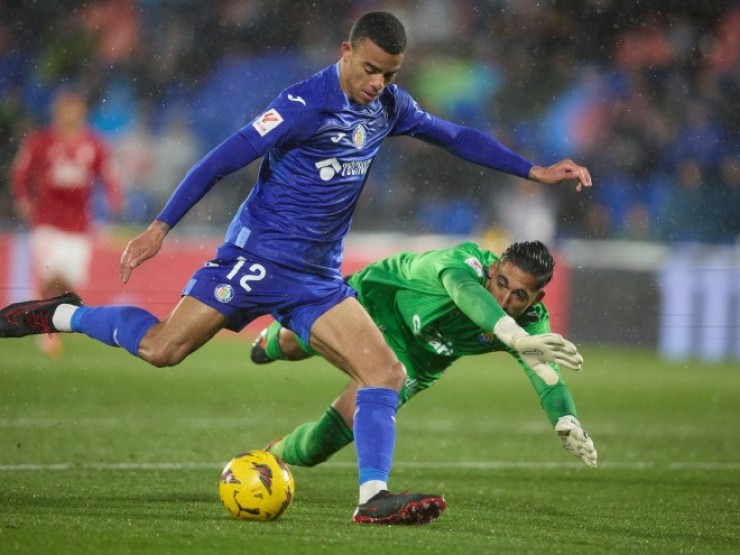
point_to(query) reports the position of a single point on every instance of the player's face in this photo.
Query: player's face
(365, 70)
(514, 289)
(69, 111)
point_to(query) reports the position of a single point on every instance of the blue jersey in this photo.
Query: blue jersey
(317, 147)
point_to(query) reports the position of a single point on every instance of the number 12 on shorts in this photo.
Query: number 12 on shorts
(256, 271)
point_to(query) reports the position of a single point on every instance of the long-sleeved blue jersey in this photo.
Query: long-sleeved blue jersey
(318, 147)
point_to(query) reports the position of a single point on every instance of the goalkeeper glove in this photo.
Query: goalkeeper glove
(537, 350)
(576, 440)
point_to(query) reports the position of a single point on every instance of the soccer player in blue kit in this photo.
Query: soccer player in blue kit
(283, 249)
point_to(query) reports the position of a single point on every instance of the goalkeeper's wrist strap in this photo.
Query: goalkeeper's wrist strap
(506, 329)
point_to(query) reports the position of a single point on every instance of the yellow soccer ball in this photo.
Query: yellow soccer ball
(256, 485)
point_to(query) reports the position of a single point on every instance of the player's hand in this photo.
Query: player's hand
(142, 248)
(549, 347)
(565, 170)
(576, 440)
(538, 350)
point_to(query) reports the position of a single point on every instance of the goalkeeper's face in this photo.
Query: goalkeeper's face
(513, 288)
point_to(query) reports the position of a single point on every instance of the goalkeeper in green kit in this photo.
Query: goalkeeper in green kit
(433, 308)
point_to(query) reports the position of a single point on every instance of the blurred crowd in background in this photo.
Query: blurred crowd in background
(645, 94)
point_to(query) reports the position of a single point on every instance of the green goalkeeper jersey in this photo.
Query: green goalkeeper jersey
(433, 308)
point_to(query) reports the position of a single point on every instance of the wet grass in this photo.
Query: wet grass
(100, 453)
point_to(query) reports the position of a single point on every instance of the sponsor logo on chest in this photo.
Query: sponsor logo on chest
(331, 166)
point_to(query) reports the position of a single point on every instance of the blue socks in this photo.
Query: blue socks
(375, 432)
(117, 326)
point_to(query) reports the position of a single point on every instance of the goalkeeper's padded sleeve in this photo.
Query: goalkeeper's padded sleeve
(556, 400)
(472, 298)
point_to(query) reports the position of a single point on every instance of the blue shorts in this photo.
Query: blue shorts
(242, 287)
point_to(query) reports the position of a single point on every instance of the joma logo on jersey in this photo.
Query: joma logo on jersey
(331, 166)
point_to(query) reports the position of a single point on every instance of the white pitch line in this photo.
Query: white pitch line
(465, 465)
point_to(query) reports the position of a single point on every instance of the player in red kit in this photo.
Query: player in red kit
(52, 179)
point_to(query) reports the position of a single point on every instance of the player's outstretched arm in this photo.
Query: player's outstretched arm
(565, 170)
(576, 440)
(480, 148)
(142, 248)
(538, 350)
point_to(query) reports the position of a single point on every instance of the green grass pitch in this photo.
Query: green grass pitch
(100, 453)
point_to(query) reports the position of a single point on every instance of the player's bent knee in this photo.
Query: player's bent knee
(162, 350)
(399, 374)
(391, 375)
(162, 356)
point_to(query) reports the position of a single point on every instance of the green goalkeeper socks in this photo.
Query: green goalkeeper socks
(272, 348)
(314, 442)
(272, 344)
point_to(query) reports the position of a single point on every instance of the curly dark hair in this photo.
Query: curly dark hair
(383, 28)
(532, 257)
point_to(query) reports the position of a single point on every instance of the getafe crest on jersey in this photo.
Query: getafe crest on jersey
(359, 137)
